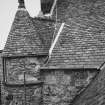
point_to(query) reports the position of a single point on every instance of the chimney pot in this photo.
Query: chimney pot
(21, 4)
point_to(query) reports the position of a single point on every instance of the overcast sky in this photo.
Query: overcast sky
(8, 9)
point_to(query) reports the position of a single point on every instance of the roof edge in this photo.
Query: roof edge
(22, 9)
(44, 19)
(27, 55)
(56, 39)
(70, 68)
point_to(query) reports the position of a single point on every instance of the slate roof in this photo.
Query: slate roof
(79, 46)
(23, 38)
(77, 8)
(81, 43)
(45, 30)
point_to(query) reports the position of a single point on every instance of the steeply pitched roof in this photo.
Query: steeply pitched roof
(45, 30)
(76, 8)
(1, 65)
(23, 39)
(79, 45)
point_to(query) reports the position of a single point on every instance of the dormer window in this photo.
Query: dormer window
(47, 7)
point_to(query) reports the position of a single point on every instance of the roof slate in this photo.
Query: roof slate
(45, 30)
(76, 8)
(79, 46)
(23, 39)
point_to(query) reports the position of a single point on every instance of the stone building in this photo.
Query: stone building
(52, 59)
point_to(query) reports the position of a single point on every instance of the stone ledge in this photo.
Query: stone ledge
(22, 85)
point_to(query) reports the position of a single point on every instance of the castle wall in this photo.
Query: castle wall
(61, 86)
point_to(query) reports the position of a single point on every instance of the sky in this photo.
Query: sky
(8, 10)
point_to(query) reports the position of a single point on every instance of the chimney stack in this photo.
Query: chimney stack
(21, 4)
(46, 6)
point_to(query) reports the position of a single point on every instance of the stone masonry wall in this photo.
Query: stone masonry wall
(15, 68)
(61, 86)
(33, 95)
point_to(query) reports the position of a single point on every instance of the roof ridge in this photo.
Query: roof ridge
(22, 9)
(44, 19)
(56, 38)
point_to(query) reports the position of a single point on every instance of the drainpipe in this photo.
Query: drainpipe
(0, 93)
